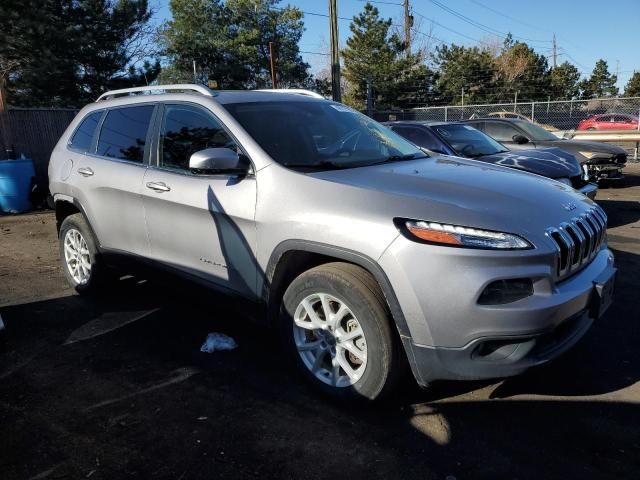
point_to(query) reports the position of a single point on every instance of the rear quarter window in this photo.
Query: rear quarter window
(83, 136)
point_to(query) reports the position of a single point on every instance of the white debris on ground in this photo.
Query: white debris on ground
(218, 341)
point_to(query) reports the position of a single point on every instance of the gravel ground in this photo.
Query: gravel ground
(118, 389)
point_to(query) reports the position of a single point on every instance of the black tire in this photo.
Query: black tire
(98, 275)
(359, 291)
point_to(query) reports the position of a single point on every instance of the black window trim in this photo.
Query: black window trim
(147, 146)
(154, 157)
(95, 132)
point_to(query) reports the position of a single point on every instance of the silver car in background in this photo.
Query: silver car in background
(362, 252)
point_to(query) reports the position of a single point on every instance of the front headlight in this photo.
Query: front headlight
(456, 235)
(591, 155)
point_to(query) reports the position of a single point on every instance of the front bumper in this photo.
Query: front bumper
(589, 190)
(605, 171)
(452, 337)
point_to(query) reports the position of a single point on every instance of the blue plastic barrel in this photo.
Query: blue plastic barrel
(15, 184)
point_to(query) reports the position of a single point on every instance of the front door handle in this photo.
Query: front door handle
(158, 186)
(85, 172)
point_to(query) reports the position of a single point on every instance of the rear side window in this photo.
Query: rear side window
(124, 132)
(83, 136)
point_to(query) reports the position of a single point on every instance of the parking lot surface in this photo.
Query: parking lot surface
(117, 388)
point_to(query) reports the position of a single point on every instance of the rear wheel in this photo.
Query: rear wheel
(337, 329)
(81, 262)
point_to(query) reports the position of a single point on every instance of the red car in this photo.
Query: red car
(609, 121)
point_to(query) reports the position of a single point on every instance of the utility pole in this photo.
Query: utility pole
(272, 64)
(555, 51)
(195, 80)
(407, 27)
(369, 97)
(335, 51)
(462, 109)
(515, 101)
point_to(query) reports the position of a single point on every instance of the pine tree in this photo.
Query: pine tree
(632, 89)
(601, 83)
(398, 79)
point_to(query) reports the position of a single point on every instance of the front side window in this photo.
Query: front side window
(468, 141)
(421, 137)
(187, 130)
(124, 132)
(83, 136)
(535, 132)
(503, 132)
(311, 134)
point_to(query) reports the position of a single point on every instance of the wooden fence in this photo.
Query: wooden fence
(34, 132)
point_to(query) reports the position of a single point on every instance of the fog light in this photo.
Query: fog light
(506, 291)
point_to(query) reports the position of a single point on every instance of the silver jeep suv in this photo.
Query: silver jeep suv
(366, 254)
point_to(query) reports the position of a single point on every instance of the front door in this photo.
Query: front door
(201, 224)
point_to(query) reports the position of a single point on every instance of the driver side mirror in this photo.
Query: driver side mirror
(211, 161)
(520, 139)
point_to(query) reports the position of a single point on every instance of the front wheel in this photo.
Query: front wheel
(337, 328)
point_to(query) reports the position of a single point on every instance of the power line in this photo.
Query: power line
(482, 26)
(497, 12)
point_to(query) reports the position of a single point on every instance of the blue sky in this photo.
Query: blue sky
(586, 30)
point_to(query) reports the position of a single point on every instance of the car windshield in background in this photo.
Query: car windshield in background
(320, 135)
(534, 132)
(468, 141)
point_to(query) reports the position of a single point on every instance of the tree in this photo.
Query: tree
(564, 82)
(601, 83)
(465, 68)
(398, 79)
(67, 52)
(632, 89)
(230, 42)
(521, 70)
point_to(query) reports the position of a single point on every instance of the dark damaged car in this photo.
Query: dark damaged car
(463, 140)
(600, 160)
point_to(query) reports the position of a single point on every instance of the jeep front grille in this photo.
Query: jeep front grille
(578, 241)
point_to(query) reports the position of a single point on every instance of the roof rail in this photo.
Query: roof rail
(155, 89)
(294, 91)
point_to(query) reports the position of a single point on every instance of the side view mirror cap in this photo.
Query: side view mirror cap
(520, 139)
(219, 161)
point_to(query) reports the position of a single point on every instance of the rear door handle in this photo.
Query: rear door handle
(158, 186)
(85, 172)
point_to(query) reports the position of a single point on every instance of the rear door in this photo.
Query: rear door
(201, 224)
(109, 177)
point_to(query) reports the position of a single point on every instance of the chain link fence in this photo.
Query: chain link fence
(556, 115)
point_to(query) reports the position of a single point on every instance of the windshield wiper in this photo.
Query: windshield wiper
(478, 155)
(400, 158)
(324, 165)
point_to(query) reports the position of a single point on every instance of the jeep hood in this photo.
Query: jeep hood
(461, 191)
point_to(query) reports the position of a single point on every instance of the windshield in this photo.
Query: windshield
(468, 141)
(314, 134)
(536, 133)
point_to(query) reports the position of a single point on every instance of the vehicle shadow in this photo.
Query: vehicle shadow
(629, 180)
(620, 212)
(143, 400)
